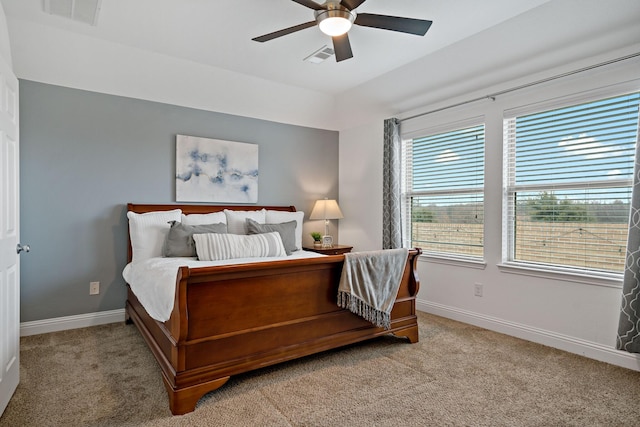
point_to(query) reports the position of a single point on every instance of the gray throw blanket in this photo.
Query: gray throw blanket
(369, 283)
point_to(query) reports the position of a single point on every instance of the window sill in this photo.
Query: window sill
(458, 261)
(610, 280)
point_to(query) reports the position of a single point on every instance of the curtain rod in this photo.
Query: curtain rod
(493, 96)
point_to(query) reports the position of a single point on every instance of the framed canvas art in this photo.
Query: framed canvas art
(214, 170)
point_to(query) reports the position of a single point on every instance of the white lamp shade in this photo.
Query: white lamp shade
(326, 209)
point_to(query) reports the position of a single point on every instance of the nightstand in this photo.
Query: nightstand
(335, 250)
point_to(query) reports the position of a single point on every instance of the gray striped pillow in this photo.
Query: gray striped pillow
(214, 247)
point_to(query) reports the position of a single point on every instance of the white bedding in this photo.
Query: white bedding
(153, 281)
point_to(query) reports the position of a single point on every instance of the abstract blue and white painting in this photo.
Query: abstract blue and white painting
(213, 170)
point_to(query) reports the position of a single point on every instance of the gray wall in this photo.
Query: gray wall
(84, 155)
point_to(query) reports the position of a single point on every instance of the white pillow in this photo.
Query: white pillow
(237, 220)
(204, 219)
(214, 247)
(148, 232)
(278, 217)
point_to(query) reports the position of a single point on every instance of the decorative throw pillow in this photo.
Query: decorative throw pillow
(287, 232)
(277, 217)
(237, 220)
(202, 219)
(180, 242)
(214, 247)
(148, 232)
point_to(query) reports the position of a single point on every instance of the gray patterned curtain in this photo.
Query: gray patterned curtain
(629, 326)
(391, 218)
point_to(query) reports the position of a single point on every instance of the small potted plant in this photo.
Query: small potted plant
(317, 238)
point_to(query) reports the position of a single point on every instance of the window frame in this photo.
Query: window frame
(406, 194)
(566, 273)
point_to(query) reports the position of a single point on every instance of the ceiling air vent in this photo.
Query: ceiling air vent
(320, 55)
(85, 11)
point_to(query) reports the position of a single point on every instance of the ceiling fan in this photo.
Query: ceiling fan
(335, 18)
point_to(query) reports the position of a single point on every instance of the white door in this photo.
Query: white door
(9, 234)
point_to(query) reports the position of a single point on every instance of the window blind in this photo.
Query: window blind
(568, 176)
(444, 188)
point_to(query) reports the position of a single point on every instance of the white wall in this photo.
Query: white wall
(5, 51)
(555, 33)
(360, 174)
(571, 315)
(49, 55)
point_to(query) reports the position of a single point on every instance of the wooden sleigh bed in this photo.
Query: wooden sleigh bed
(231, 319)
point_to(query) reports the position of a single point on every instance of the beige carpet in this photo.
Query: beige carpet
(457, 375)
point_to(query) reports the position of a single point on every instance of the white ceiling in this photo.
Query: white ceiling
(218, 33)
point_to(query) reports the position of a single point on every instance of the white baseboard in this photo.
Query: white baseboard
(71, 322)
(552, 339)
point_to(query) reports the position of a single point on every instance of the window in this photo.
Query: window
(443, 194)
(568, 177)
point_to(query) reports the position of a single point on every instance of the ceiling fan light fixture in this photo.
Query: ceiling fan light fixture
(335, 22)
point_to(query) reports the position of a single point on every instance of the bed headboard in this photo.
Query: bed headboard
(195, 209)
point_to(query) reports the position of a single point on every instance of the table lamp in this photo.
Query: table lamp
(326, 209)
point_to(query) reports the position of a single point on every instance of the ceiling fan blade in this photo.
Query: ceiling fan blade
(342, 47)
(418, 27)
(310, 4)
(351, 4)
(280, 33)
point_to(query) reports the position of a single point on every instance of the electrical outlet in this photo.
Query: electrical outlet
(477, 289)
(94, 288)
